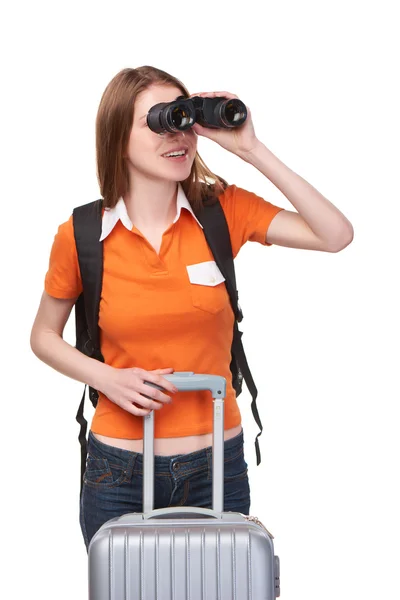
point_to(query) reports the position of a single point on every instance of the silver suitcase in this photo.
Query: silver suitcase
(184, 553)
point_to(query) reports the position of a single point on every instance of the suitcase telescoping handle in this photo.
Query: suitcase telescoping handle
(188, 381)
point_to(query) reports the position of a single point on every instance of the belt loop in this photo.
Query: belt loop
(209, 462)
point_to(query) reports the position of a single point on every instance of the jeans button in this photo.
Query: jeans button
(176, 466)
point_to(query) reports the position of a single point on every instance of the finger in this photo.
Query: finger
(146, 402)
(131, 408)
(158, 380)
(150, 392)
(215, 95)
(162, 371)
(226, 94)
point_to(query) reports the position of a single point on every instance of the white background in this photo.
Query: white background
(321, 330)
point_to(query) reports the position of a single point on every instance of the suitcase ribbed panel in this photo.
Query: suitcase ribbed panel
(202, 562)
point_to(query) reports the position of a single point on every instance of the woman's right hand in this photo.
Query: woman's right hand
(126, 388)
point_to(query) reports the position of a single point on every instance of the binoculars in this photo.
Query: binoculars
(182, 113)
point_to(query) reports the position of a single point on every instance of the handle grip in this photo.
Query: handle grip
(187, 381)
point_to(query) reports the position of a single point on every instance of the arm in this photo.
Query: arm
(121, 386)
(48, 345)
(318, 224)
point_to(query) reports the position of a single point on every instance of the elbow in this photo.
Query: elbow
(38, 342)
(33, 341)
(344, 240)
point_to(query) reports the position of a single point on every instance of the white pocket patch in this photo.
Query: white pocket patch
(205, 273)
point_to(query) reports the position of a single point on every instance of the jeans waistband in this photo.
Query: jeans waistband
(230, 445)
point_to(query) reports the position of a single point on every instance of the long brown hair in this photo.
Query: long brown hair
(113, 126)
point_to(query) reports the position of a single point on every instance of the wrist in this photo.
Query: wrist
(100, 374)
(249, 155)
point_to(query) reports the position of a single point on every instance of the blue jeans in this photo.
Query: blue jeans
(113, 482)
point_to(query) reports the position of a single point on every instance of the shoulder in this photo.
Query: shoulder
(63, 277)
(238, 203)
(248, 215)
(65, 230)
(244, 205)
(240, 197)
(237, 198)
(227, 195)
(64, 241)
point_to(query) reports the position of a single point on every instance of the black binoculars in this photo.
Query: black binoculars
(182, 113)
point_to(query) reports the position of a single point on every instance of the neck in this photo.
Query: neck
(151, 203)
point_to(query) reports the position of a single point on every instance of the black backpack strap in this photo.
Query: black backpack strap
(216, 231)
(87, 231)
(82, 436)
(238, 351)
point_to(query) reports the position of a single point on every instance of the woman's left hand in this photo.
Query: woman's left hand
(239, 140)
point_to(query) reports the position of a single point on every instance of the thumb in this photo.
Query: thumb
(197, 128)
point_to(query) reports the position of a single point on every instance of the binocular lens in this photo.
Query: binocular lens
(180, 118)
(233, 112)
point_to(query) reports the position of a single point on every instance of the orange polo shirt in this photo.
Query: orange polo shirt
(166, 310)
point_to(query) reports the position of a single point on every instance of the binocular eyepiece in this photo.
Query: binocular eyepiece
(182, 113)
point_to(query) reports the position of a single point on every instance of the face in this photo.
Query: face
(146, 148)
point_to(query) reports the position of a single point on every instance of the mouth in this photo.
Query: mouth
(177, 154)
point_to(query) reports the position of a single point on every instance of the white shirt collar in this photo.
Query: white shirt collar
(119, 213)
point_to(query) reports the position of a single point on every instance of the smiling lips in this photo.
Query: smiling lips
(179, 150)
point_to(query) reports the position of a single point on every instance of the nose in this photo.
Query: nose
(173, 133)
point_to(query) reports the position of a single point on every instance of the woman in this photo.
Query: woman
(164, 304)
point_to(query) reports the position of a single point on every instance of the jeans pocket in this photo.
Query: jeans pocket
(107, 466)
(102, 472)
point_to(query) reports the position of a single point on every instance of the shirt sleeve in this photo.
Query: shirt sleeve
(63, 279)
(248, 216)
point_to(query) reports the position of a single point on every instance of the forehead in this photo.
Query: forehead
(154, 95)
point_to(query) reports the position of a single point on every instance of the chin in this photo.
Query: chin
(177, 173)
